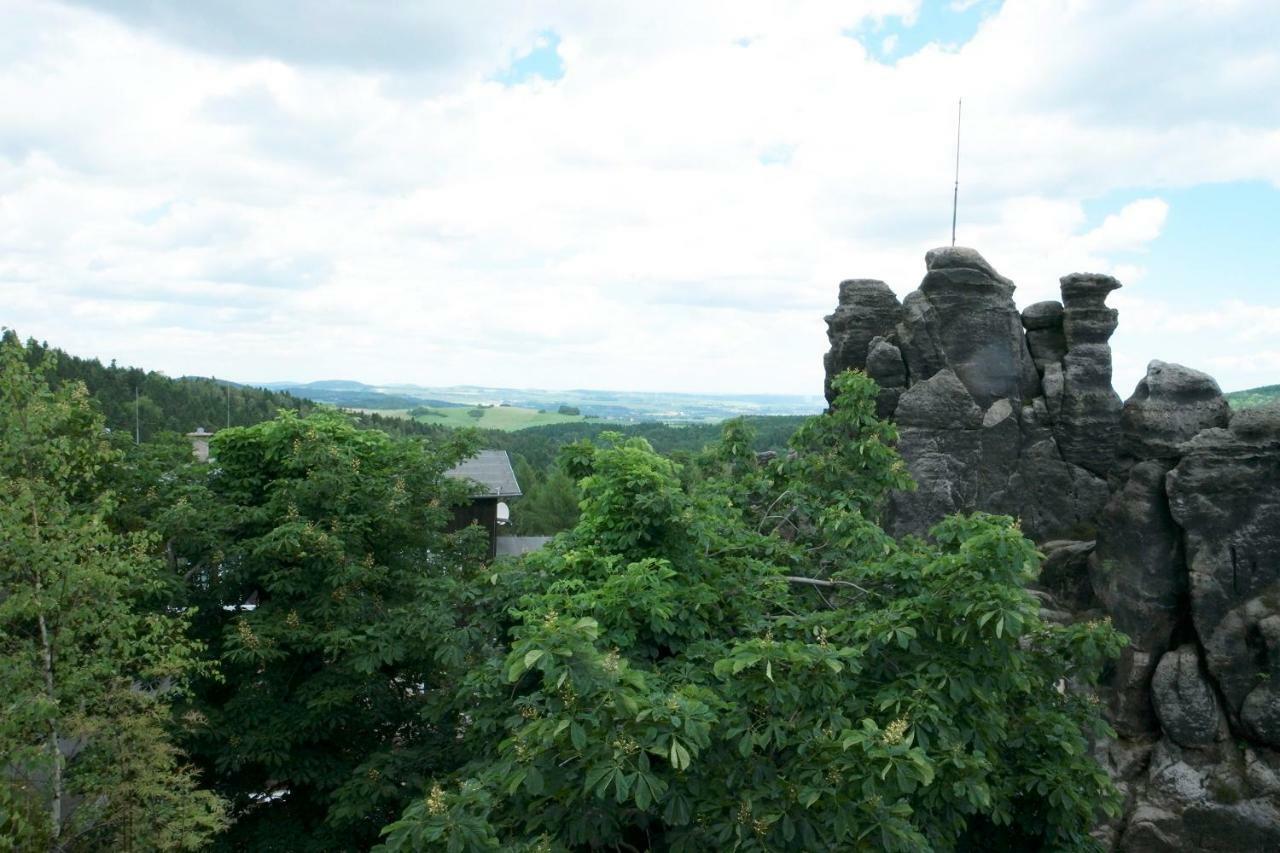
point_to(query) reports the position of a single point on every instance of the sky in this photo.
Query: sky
(653, 196)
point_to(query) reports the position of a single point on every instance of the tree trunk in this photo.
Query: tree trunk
(55, 753)
(46, 659)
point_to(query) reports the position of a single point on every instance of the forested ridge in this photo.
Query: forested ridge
(164, 404)
(1253, 397)
(290, 650)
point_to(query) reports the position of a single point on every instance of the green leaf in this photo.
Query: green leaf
(680, 758)
(533, 781)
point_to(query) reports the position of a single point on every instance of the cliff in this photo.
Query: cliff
(1162, 512)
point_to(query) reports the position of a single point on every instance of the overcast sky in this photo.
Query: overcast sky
(644, 195)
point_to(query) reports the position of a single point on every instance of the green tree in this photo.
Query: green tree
(549, 504)
(335, 604)
(89, 654)
(744, 659)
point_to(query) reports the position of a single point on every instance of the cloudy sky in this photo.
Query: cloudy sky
(652, 195)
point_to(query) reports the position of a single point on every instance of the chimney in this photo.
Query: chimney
(200, 443)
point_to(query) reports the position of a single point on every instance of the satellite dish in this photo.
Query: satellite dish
(504, 513)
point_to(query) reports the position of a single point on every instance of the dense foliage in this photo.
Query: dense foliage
(550, 502)
(317, 558)
(89, 657)
(716, 653)
(540, 446)
(742, 659)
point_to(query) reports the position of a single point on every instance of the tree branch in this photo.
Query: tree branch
(825, 584)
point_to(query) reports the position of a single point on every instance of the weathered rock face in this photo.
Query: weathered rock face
(1185, 701)
(1138, 575)
(978, 328)
(962, 325)
(1045, 338)
(1065, 572)
(867, 309)
(939, 426)
(1088, 426)
(1225, 494)
(1203, 799)
(1014, 413)
(1170, 406)
(886, 367)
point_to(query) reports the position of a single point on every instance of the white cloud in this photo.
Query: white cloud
(674, 213)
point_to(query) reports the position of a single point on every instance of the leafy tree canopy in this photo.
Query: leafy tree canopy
(738, 657)
(90, 655)
(331, 597)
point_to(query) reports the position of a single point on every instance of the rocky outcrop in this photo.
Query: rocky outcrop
(978, 329)
(867, 309)
(1046, 340)
(961, 331)
(1137, 573)
(1170, 406)
(1217, 798)
(1065, 573)
(1088, 424)
(886, 367)
(1163, 513)
(1225, 494)
(1185, 701)
(940, 438)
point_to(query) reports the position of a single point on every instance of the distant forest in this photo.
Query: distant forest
(166, 405)
(163, 404)
(151, 403)
(1253, 397)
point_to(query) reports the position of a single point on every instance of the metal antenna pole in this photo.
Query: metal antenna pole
(228, 389)
(955, 193)
(137, 417)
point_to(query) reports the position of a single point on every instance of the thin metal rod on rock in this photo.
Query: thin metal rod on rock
(955, 193)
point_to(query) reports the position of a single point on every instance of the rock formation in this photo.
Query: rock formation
(992, 417)
(1225, 495)
(1163, 513)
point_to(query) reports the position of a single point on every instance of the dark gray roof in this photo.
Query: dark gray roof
(491, 469)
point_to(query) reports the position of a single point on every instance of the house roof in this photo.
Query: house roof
(491, 469)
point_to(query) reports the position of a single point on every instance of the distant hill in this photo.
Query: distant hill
(623, 406)
(1252, 397)
(355, 395)
(354, 398)
(165, 404)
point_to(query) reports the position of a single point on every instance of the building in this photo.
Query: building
(494, 484)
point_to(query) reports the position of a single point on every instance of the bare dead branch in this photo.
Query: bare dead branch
(825, 584)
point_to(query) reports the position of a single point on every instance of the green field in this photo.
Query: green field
(493, 417)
